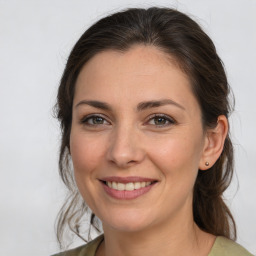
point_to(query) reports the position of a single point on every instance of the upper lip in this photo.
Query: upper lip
(127, 179)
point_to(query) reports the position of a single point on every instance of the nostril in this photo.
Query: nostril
(132, 161)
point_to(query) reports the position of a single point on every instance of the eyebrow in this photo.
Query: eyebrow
(157, 103)
(95, 104)
(140, 107)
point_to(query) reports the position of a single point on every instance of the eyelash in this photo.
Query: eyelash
(171, 121)
(85, 120)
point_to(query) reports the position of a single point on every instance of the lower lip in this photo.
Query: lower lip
(125, 194)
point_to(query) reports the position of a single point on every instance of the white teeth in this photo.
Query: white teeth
(137, 185)
(120, 186)
(114, 185)
(128, 186)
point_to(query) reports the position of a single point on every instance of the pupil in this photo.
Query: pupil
(160, 120)
(98, 120)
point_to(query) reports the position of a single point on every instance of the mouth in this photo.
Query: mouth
(128, 187)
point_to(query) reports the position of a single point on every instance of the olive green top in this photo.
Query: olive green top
(221, 247)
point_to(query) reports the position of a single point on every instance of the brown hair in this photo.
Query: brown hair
(182, 38)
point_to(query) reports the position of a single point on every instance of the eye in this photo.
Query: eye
(94, 120)
(161, 120)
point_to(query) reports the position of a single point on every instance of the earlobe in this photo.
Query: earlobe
(214, 143)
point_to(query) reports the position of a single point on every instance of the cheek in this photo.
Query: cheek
(177, 155)
(86, 153)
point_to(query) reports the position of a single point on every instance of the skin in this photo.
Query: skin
(126, 141)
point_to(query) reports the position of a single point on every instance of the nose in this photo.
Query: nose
(126, 147)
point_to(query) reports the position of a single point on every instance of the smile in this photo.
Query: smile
(127, 188)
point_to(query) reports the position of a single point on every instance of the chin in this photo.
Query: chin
(129, 222)
(128, 227)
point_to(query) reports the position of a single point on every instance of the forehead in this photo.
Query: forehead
(140, 73)
(139, 59)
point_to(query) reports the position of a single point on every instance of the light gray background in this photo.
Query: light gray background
(35, 40)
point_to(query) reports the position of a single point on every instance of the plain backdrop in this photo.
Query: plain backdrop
(35, 39)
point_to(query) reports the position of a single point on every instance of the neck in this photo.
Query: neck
(175, 238)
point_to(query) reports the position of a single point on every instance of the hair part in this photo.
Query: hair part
(184, 41)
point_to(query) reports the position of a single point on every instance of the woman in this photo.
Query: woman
(143, 106)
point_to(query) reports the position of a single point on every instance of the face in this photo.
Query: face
(136, 138)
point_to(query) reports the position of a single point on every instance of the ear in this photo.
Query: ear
(214, 143)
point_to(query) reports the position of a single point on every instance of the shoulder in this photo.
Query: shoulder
(88, 249)
(227, 247)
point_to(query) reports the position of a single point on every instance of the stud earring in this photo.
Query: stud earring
(206, 163)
